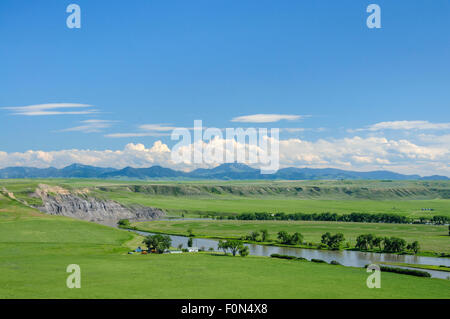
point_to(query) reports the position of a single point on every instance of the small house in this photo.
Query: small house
(193, 249)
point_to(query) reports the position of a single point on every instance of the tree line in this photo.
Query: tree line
(335, 241)
(386, 244)
(352, 217)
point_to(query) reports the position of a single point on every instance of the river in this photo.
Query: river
(345, 257)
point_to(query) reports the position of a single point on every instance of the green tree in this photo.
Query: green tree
(254, 236)
(414, 246)
(234, 246)
(377, 241)
(326, 238)
(336, 241)
(394, 244)
(157, 242)
(284, 237)
(296, 239)
(244, 251)
(190, 241)
(222, 245)
(370, 239)
(364, 241)
(332, 241)
(265, 234)
(123, 223)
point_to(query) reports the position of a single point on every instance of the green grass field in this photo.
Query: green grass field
(35, 250)
(431, 238)
(235, 205)
(406, 198)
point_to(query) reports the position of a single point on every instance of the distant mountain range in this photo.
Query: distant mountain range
(229, 171)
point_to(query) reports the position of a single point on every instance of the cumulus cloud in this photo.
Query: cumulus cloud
(51, 109)
(90, 126)
(406, 125)
(356, 153)
(265, 118)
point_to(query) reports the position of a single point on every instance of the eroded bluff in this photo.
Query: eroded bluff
(58, 201)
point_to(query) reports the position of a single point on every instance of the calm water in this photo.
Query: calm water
(345, 257)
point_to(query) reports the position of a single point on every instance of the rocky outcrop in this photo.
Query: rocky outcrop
(82, 206)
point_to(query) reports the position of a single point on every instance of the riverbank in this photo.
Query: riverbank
(434, 240)
(428, 267)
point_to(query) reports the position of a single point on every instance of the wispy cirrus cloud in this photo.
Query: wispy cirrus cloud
(51, 109)
(90, 126)
(266, 118)
(405, 125)
(157, 127)
(155, 130)
(136, 134)
(301, 129)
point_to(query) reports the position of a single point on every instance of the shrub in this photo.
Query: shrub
(123, 223)
(314, 260)
(244, 251)
(404, 271)
(334, 262)
(282, 256)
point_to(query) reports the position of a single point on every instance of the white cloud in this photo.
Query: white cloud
(406, 125)
(155, 130)
(125, 135)
(156, 127)
(301, 129)
(265, 118)
(90, 126)
(356, 153)
(50, 109)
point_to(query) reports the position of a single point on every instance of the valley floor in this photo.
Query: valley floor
(35, 250)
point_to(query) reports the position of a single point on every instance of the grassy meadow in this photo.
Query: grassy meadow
(35, 250)
(199, 198)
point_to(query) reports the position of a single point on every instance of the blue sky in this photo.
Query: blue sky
(168, 63)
